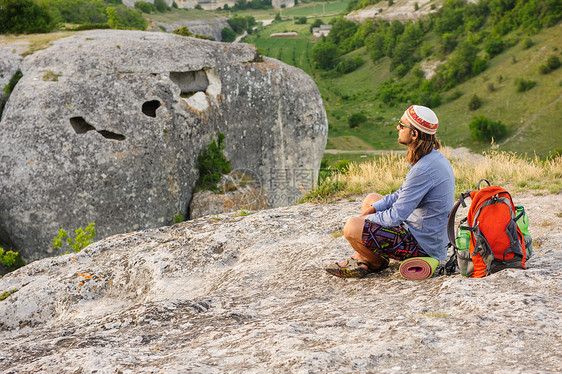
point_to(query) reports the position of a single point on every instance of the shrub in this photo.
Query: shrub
(183, 31)
(212, 164)
(553, 62)
(227, 35)
(161, 6)
(11, 260)
(121, 17)
(82, 238)
(494, 46)
(455, 95)
(527, 43)
(347, 65)
(301, 21)
(474, 103)
(24, 16)
(483, 129)
(145, 6)
(543, 69)
(93, 26)
(356, 119)
(523, 85)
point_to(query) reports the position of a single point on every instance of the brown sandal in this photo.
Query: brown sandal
(353, 269)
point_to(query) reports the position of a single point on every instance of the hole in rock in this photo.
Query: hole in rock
(111, 135)
(190, 82)
(80, 125)
(149, 107)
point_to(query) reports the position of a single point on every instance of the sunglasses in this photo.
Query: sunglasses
(401, 126)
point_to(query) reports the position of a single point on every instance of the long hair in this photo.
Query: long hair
(422, 146)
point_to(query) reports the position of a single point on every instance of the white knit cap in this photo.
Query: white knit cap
(422, 118)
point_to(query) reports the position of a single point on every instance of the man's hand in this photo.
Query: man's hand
(366, 212)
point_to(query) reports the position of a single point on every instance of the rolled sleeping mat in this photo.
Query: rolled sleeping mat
(418, 268)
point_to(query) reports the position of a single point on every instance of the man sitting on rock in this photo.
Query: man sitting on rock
(412, 221)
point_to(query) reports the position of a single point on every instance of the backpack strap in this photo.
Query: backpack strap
(483, 180)
(451, 219)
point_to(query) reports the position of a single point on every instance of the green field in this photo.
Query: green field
(318, 9)
(177, 15)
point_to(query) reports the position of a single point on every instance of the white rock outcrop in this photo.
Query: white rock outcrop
(249, 295)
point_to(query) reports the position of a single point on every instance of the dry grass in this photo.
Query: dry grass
(385, 174)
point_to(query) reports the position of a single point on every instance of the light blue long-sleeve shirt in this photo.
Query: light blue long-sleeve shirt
(422, 204)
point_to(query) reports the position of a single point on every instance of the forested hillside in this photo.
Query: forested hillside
(490, 68)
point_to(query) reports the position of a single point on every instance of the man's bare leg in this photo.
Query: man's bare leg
(353, 232)
(370, 199)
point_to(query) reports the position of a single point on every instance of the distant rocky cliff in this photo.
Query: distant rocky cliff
(105, 127)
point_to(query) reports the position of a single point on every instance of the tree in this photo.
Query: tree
(227, 35)
(144, 6)
(23, 16)
(325, 54)
(161, 6)
(316, 23)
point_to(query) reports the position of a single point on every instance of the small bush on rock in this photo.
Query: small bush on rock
(212, 164)
(82, 239)
(11, 260)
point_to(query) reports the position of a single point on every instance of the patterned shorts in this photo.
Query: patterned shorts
(393, 242)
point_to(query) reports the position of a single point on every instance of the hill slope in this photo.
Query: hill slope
(531, 117)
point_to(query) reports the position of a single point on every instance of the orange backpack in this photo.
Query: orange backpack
(496, 241)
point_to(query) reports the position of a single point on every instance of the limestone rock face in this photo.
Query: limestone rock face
(105, 127)
(249, 294)
(211, 27)
(9, 65)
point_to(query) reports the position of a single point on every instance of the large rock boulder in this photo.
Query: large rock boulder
(106, 126)
(231, 294)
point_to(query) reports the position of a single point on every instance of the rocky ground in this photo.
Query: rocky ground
(249, 294)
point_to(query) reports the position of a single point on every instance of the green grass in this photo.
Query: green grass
(293, 51)
(177, 15)
(308, 10)
(315, 9)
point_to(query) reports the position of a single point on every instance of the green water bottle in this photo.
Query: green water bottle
(522, 222)
(463, 239)
(463, 255)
